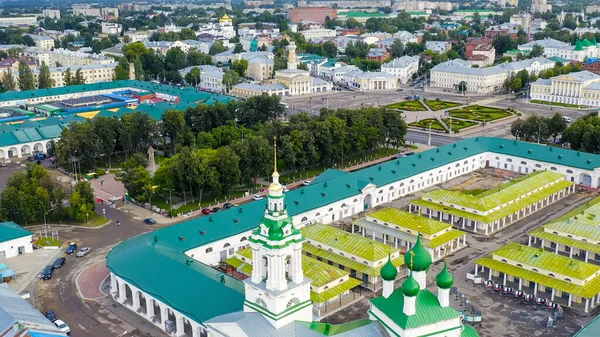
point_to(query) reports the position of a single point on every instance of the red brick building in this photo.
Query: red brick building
(593, 67)
(314, 14)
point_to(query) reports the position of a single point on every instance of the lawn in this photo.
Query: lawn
(48, 242)
(411, 105)
(480, 113)
(555, 104)
(425, 123)
(207, 199)
(437, 105)
(458, 124)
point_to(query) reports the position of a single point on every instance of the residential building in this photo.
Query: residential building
(258, 3)
(406, 37)
(185, 45)
(504, 3)
(402, 68)
(19, 318)
(318, 33)
(438, 46)
(508, 29)
(13, 64)
(64, 57)
(346, 4)
(582, 49)
(495, 211)
(336, 72)
(92, 73)
(400, 229)
(592, 9)
(567, 281)
(85, 10)
(523, 20)
(361, 16)
(14, 241)
(137, 36)
(450, 75)
(288, 82)
(480, 51)
(580, 89)
(313, 14)
(378, 54)
(111, 28)
(51, 13)
(224, 28)
(416, 6)
(18, 21)
(592, 66)
(540, 6)
(362, 80)
(109, 12)
(43, 42)
(212, 80)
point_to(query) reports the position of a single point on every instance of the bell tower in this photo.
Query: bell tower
(277, 289)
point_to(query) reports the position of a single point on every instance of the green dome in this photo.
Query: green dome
(418, 258)
(410, 287)
(444, 279)
(388, 271)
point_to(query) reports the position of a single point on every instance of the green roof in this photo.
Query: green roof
(410, 287)
(327, 329)
(444, 279)
(328, 175)
(469, 331)
(418, 13)
(586, 43)
(578, 45)
(473, 11)
(354, 244)
(550, 237)
(428, 309)
(10, 231)
(539, 258)
(418, 258)
(410, 221)
(591, 329)
(502, 212)
(507, 192)
(356, 14)
(559, 59)
(589, 290)
(134, 258)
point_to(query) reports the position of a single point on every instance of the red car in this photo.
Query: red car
(206, 211)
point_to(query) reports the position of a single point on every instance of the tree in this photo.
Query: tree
(136, 178)
(240, 66)
(584, 134)
(25, 81)
(557, 125)
(68, 77)
(122, 69)
(537, 51)
(175, 59)
(503, 43)
(302, 66)
(462, 86)
(197, 58)
(228, 168)
(230, 79)
(516, 128)
(330, 49)
(8, 80)
(44, 79)
(173, 125)
(217, 48)
(238, 48)
(516, 85)
(193, 76)
(397, 48)
(256, 158)
(79, 79)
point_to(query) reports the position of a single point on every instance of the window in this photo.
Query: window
(243, 239)
(538, 165)
(553, 168)
(208, 250)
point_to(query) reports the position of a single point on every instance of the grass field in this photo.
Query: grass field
(411, 105)
(436, 105)
(480, 113)
(425, 123)
(555, 104)
(459, 124)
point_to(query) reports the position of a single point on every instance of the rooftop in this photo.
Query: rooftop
(10, 231)
(410, 221)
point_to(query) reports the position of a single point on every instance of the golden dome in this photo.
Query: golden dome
(225, 18)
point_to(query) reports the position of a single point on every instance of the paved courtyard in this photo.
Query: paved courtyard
(29, 266)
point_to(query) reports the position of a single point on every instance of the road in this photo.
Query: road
(437, 139)
(89, 318)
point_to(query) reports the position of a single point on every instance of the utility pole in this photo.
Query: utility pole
(170, 202)
(429, 138)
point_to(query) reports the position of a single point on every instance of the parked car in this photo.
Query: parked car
(62, 326)
(409, 153)
(51, 315)
(306, 182)
(149, 221)
(206, 211)
(258, 197)
(48, 272)
(401, 155)
(228, 205)
(72, 248)
(83, 251)
(216, 209)
(59, 262)
(285, 189)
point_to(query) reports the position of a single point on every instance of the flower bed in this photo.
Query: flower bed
(411, 105)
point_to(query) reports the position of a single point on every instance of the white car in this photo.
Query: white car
(306, 182)
(83, 251)
(258, 197)
(62, 326)
(285, 189)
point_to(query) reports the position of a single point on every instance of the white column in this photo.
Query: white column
(586, 304)
(476, 269)
(490, 274)
(257, 265)
(504, 280)
(569, 302)
(529, 241)
(571, 252)
(409, 208)
(352, 228)
(113, 285)
(586, 256)
(136, 300)
(122, 293)
(535, 289)
(179, 322)
(149, 308)
(520, 283)
(552, 295)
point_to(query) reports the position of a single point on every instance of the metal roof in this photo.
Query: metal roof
(10, 231)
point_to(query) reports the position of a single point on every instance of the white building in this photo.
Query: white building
(224, 28)
(41, 41)
(438, 46)
(523, 20)
(109, 12)
(582, 49)
(449, 75)
(402, 68)
(18, 21)
(318, 33)
(137, 36)
(51, 13)
(405, 37)
(369, 80)
(540, 6)
(111, 28)
(580, 88)
(64, 57)
(14, 240)
(85, 10)
(92, 73)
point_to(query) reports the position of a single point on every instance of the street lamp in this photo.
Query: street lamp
(46, 224)
(170, 202)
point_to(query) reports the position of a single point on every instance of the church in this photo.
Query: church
(277, 296)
